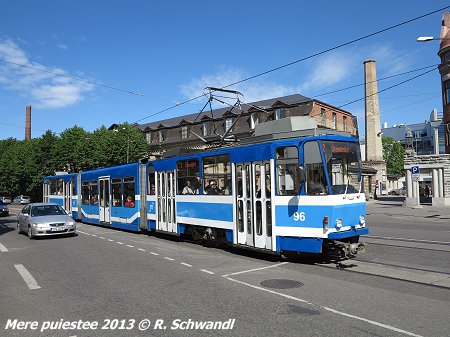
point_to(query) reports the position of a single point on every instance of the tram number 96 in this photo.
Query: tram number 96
(299, 216)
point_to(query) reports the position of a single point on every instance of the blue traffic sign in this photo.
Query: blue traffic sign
(415, 170)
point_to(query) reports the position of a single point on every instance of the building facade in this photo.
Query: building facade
(419, 136)
(203, 130)
(444, 70)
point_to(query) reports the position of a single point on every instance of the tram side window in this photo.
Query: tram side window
(151, 183)
(74, 187)
(129, 192)
(53, 188)
(85, 193)
(60, 186)
(217, 175)
(188, 173)
(117, 192)
(315, 173)
(287, 170)
(93, 192)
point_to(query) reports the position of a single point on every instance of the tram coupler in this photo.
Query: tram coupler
(346, 249)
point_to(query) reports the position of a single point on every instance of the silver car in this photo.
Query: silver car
(43, 219)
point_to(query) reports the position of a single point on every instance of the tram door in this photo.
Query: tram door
(104, 204)
(68, 189)
(253, 204)
(165, 191)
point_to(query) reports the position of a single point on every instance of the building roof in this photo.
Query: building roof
(219, 113)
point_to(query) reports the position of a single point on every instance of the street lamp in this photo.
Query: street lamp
(430, 38)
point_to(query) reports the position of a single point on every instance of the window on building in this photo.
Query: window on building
(117, 192)
(207, 128)
(228, 123)
(254, 119)
(217, 175)
(446, 57)
(148, 137)
(53, 188)
(322, 117)
(333, 125)
(184, 132)
(447, 92)
(162, 135)
(280, 113)
(188, 174)
(344, 122)
(287, 170)
(128, 191)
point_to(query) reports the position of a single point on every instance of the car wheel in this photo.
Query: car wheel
(30, 233)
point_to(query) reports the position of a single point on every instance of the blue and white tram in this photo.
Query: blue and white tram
(111, 196)
(267, 197)
(62, 189)
(289, 195)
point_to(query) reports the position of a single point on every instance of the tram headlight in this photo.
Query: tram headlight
(362, 220)
(338, 224)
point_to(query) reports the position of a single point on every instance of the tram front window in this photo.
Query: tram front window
(343, 166)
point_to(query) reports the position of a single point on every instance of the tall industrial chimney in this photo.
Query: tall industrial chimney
(374, 148)
(28, 123)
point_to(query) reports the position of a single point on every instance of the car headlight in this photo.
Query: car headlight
(338, 224)
(36, 225)
(362, 221)
(70, 223)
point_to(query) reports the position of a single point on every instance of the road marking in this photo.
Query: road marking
(101, 237)
(186, 264)
(27, 277)
(119, 243)
(256, 269)
(110, 240)
(3, 248)
(142, 250)
(130, 246)
(169, 258)
(326, 308)
(93, 235)
(153, 253)
(207, 271)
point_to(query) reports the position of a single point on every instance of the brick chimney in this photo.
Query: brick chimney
(28, 123)
(374, 148)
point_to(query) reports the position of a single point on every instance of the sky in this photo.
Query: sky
(126, 61)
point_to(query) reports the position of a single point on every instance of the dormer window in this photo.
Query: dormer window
(254, 119)
(280, 113)
(207, 128)
(228, 123)
(162, 135)
(184, 132)
(148, 137)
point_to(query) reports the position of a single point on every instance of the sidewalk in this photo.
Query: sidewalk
(395, 206)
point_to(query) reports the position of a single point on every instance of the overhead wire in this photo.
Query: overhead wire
(302, 59)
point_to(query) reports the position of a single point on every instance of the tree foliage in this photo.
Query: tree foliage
(393, 154)
(23, 164)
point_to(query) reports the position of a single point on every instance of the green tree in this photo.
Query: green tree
(393, 154)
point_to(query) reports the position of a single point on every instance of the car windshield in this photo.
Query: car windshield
(44, 210)
(343, 165)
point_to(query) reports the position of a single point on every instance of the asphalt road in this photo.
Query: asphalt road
(108, 274)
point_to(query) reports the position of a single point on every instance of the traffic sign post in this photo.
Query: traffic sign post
(415, 171)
